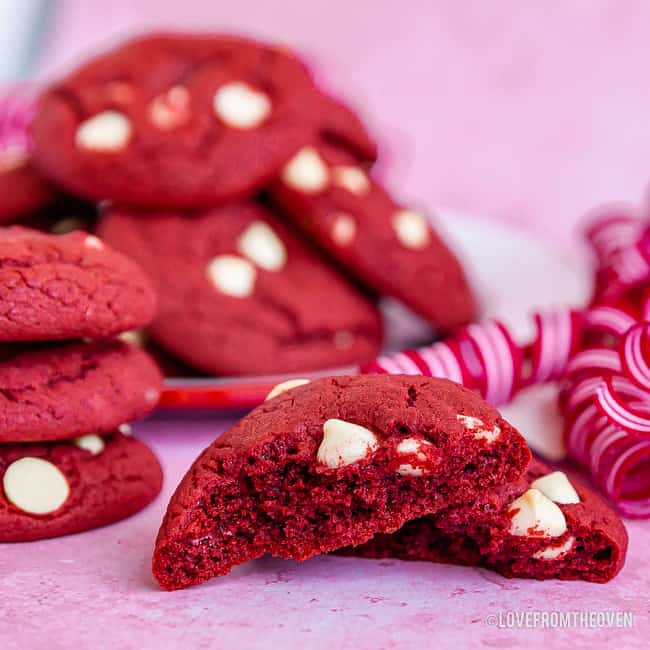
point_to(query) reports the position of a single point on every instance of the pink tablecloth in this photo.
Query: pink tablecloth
(95, 590)
(525, 112)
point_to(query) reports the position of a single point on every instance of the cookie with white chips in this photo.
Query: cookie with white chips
(543, 526)
(328, 193)
(184, 120)
(240, 294)
(328, 463)
(52, 489)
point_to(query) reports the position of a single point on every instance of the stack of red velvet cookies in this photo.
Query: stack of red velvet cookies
(68, 388)
(245, 192)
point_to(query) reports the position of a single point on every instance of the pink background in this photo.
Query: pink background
(530, 112)
(526, 112)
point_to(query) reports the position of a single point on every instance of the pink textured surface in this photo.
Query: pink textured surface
(529, 113)
(95, 590)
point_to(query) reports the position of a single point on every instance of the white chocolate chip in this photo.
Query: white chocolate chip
(13, 157)
(35, 485)
(125, 429)
(232, 275)
(240, 106)
(488, 435)
(406, 469)
(353, 179)
(411, 228)
(93, 242)
(134, 337)
(344, 229)
(306, 172)
(261, 245)
(69, 224)
(345, 443)
(557, 487)
(285, 386)
(90, 442)
(109, 131)
(152, 395)
(413, 446)
(171, 109)
(470, 422)
(410, 446)
(477, 427)
(554, 552)
(536, 514)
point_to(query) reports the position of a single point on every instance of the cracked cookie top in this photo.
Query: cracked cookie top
(66, 287)
(51, 392)
(329, 463)
(240, 294)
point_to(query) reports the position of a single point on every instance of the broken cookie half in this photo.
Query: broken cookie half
(541, 526)
(331, 463)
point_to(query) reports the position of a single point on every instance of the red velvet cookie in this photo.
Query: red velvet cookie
(239, 294)
(22, 190)
(543, 526)
(69, 286)
(394, 251)
(330, 463)
(183, 120)
(53, 392)
(58, 488)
